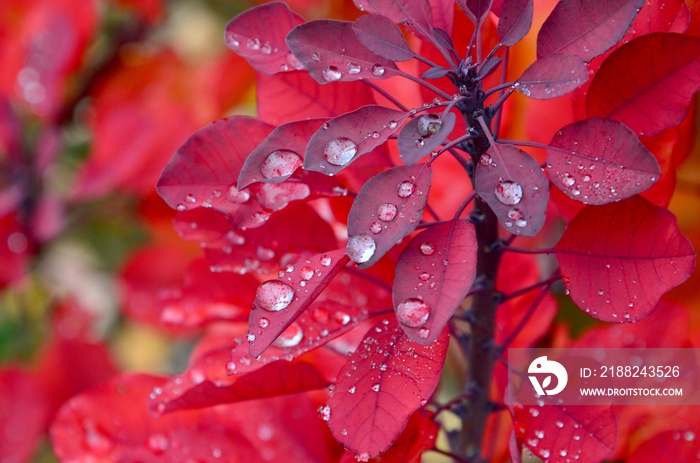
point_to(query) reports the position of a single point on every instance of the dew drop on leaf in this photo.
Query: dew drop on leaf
(486, 160)
(289, 337)
(568, 180)
(158, 443)
(326, 261)
(377, 70)
(427, 248)
(423, 333)
(405, 189)
(354, 68)
(413, 312)
(340, 151)
(274, 295)
(509, 192)
(375, 387)
(306, 273)
(237, 196)
(361, 248)
(386, 212)
(331, 73)
(424, 276)
(263, 322)
(429, 125)
(376, 227)
(280, 163)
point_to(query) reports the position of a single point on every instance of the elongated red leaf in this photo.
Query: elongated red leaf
(515, 21)
(345, 138)
(617, 260)
(196, 389)
(331, 52)
(475, 10)
(280, 154)
(294, 96)
(513, 184)
(560, 434)
(416, 13)
(423, 134)
(387, 208)
(381, 36)
(644, 86)
(552, 76)
(683, 443)
(418, 437)
(203, 170)
(599, 161)
(433, 275)
(383, 383)
(586, 28)
(258, 34)
(279, 302)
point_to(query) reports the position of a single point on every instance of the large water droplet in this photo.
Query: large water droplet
(354, 68)
(361, 248)
(509, 192)
(568, 180)
(274, 295)
(340, 151)
(427, 248)
(331, 73)
(280, 163)
(289, 337)
(378, 70)
(405, 189)
(386, 212)
(306, 273)
(428, 125)
(412, 312)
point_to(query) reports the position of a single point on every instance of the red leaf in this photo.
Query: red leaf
(433, 275)
(586, 28)
(418, 437)
(279, 302)
(617, 260)
(598, 161)
(417, 13)
(559, 434)
(515, 21)
(345, 138)
(331, 52)
(513, 184)
(684, 445)
(280, 154)
(644, 86)
(258, 34)
(381, 36)
(203, 170)
(294, 96)
(423, 134)
(443, 14)
(383, 383)
(552, 76)
(387, 208)
(475, 10)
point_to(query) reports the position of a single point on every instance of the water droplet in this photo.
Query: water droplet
(424, 276)
(376, 227)
(559, 424)
(427, 248)
(378, 70)
(326, 260)
(568, 180)
(289, 337)
(354, 68)
(486, 160)
(331, 73)
(325, 413)
(341, 318)
(190, 199)
(264, 254)
(375, 387)
(386, 212)
(306, 273)
(266, 49)
(315, 56)
(545, 453)
(237, 196)
(393, 124)
(563, 452)
(263, 322)
(363, 457)
(587, 178)
(534, 412)
(689, 436)
(423, 333)
(274, 295)
(405, 189)
(280, 163)
(340, 151)
(539, 434)
(320, 315)
(253, 44)
(428, 125)
(250, 337)
(508, 192)
(412, 312)
(515, 214)
(361, 248)
(158, 443)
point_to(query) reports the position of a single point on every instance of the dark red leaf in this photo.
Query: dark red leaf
(683, 443)
(599, 161)
(617, 260)
(476, 10)
(331, 52)
(515, 21)
(381, 36)
(387, 208)
(513, 184)
(433, 275)
(644, 86)
(279, 302)
(418, 436)
(345, 138)
(293, 96)
(552, 76)
(258, 34)
(280, 154)
(559, 434)
(203, 171)
(383, 383)
(586, 28)
(417, 13)
(288, 233)
(423, 134)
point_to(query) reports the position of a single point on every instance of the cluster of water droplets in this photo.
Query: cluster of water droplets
(334, 73)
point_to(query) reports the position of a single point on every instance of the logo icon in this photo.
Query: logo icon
(541, 366)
